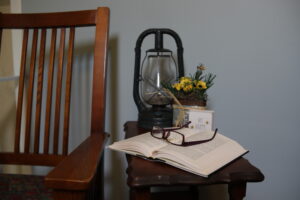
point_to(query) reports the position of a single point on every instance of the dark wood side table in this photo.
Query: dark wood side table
(143, 174)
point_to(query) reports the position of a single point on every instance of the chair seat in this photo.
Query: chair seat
(21, 187)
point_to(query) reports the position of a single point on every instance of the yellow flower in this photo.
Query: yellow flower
(188, 88)
(201, 85)
(185, 80)
(177, 86)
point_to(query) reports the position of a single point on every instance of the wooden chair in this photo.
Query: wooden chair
(76, 175)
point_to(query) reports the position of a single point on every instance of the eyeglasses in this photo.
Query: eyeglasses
(174, 137)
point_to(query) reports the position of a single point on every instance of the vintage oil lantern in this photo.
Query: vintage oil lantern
(157, 67)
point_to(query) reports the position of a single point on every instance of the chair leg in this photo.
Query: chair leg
(98, 185)
(96, 190)
(237, 191)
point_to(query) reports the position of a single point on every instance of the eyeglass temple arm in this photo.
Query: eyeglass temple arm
(200, 142)
(177, 128)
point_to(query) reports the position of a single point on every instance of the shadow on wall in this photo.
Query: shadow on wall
(81, 94)
(115, 185)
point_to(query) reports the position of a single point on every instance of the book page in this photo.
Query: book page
(143, 144)
(191, 153)
(220, 156)
(203, 158)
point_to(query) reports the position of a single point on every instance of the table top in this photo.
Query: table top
(143, 173)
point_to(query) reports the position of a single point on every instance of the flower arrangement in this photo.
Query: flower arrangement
(192, 88)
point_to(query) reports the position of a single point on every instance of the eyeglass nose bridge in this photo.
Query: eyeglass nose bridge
(183, 139)
(166, 134)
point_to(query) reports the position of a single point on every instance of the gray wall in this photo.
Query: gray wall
(252, 46)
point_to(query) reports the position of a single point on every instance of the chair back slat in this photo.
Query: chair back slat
(49, 90)
(30, 90)
(21, 91)
(68, 91)
(58, 90)
(45, 82)
(39, 92)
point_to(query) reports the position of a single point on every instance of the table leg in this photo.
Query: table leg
(237, 191)
(140, 193)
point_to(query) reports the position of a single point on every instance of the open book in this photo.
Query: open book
(201, 159)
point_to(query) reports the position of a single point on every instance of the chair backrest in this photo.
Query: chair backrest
(61, 28)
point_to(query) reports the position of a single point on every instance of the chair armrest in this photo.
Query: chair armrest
(77, 170)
